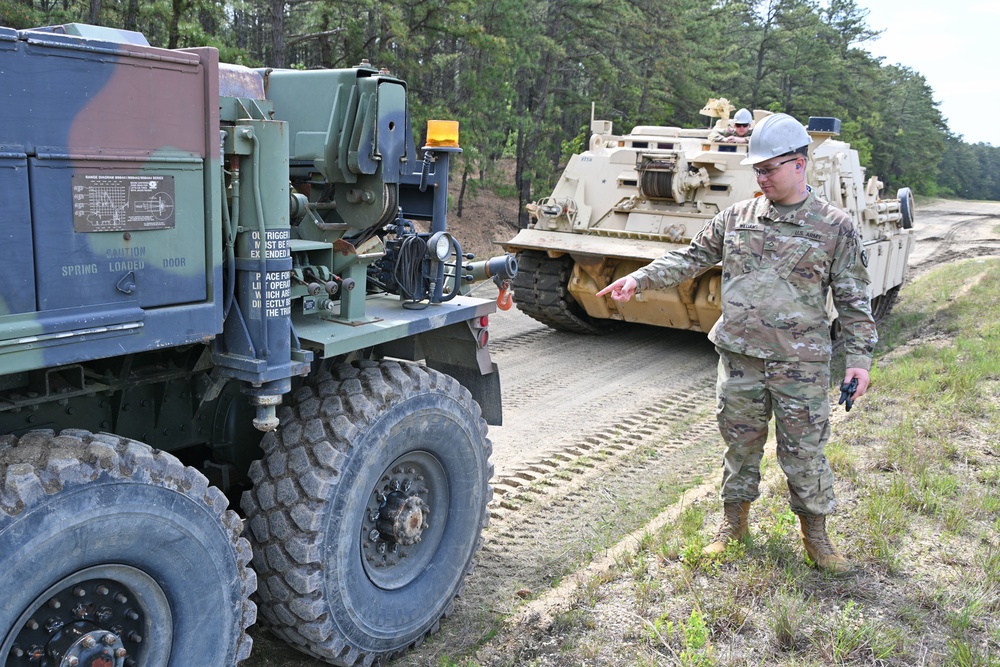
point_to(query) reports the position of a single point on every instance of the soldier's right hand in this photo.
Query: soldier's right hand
(621, 289)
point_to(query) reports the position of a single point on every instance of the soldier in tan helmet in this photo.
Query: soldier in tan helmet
(780, 253)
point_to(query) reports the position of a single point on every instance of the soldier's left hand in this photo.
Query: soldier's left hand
(863, 380)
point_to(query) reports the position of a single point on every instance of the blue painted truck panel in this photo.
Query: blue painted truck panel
(109, 185)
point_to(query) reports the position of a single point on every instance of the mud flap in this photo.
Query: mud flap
(485, 389)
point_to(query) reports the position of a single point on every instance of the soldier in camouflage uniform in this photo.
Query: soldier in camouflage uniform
(779, 253)
(738, 133)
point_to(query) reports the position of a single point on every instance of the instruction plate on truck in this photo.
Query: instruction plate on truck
(119, 202)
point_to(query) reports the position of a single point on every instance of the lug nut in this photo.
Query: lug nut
(109, 639)
(88, 642)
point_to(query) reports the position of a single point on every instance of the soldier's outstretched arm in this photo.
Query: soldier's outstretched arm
(621, 289)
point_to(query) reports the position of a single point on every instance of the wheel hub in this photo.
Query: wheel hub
(81, 645)
(397, 516)
(401, 518)
(89, 623)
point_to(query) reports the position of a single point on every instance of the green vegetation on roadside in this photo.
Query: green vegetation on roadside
(918, 479)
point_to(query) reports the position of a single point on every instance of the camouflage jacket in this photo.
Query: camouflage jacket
(729, 131)
(775, 274)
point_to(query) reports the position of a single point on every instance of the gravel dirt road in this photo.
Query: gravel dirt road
(600, 435)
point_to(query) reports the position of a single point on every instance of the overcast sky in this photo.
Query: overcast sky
(955, 44)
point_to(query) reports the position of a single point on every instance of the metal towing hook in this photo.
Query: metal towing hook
(505, 299)
(501, 270)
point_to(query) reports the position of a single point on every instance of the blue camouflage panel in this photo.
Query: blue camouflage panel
(109, 180)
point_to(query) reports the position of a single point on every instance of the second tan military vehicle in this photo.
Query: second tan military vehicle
(630, 198)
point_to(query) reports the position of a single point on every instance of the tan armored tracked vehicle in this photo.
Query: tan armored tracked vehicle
(630, 198)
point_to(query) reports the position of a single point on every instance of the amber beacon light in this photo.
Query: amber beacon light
(442, 133)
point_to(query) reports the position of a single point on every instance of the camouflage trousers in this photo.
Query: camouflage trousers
(750, 391)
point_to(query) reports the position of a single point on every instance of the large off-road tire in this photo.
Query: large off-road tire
(113, 554)
(367, 509)
(540, 291)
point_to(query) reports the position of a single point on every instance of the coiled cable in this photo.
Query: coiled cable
(408, 270)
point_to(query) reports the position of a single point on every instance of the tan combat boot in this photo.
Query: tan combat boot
(819, 547)
(732, 527)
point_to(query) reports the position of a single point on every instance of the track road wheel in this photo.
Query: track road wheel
(882, 304)
(541, 292)
(117, 555)
(367, 509)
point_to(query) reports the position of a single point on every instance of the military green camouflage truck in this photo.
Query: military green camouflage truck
(629, 199)
(217, 283)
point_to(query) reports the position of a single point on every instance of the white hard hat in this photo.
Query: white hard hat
(743, 117)
(776, 135)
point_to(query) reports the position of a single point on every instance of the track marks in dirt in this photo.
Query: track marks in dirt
(600, 449)
(559, 389)
(967, 238)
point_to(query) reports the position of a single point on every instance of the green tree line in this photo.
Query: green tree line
(521, 75)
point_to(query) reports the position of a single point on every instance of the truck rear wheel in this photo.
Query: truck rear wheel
(117, 554)
(540, 291)
(367, 509)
